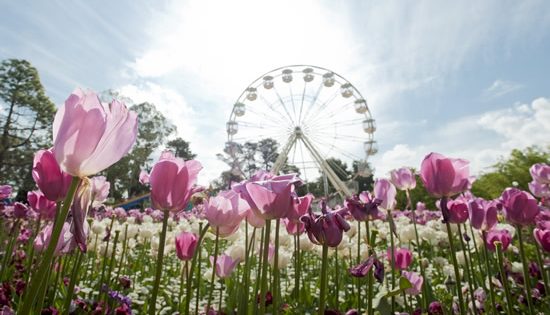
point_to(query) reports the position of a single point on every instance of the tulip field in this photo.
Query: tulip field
(258, 247)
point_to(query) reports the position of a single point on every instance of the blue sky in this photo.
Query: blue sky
(468, 79)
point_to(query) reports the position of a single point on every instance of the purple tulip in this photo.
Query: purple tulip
(43, 206)
(416, 281)
(362, 270)
(385, 191)
(502, 236)
(543, 238)
(483, 214)
(20, 211)
(49, 177)
(520, 207)
(403, 178)
(444, 177)
(79, 210)
(457, 211)
(300, 208)
(363, 207)
(172, 182)
(402, 257)
(271, 199)
(327, 228)
(539, 190)
(5, 191)
(540, 173)
(186, 243)
(143, 177)
(435, 308)
(224, 265)
(88, 137)
(225, 211)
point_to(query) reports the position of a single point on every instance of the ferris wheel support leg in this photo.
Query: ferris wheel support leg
(281, 159)
(331, 175)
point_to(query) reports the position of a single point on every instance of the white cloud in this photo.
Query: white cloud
(481, 139)
(500, 88)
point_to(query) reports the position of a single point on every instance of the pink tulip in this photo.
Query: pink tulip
(43, 206)
(494, 235)
(458, 211)
(540, 173)
(172, 180)
(543, 238)
(144, 177)
(300, 208)
(520, 207)
(49, 177)
(385, 191)
(43, 238)
(403, 178)
(402, 257)
(5, 191)
(483, 214)
(416, 281)
(100, 189)
(271, 199)
(294, 228)
(254, 220)
(225, 211)
(88, 137)
(444, 177)
(224, 265)
(327, 228)
(186, 243)
(539, 190)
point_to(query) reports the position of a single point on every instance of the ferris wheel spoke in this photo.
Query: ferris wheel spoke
(334, 146)
(292, 101)
(321, 107)
(256, 125)
(338, 109)
(269, 120)
(314, 101)
(281, 116)
(283, 104)
(327, 123)
(340, 136)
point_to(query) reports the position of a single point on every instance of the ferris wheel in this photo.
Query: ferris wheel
(313, 113)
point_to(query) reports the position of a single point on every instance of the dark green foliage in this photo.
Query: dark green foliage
(511, 171)
(26, 116)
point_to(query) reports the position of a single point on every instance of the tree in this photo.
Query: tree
(26, 116)
(181, 148)
(513, 171)
(153, 130)
(267, 149)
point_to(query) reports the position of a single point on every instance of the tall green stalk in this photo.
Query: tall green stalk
(276, 270)
(46, 262)
(455, 265)
(159, 262)
(526, 275)
(323, 292)
(489, 273)
(216, 248)
(73, 281)
(392, 260)
(504, 279)
(263, 286)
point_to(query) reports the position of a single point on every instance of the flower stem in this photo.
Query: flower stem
(525, 273)
(540, 262)
(46, 262)
(196, 257)
(276, 270)
(504, 279)
(455, 265)
(322, 295)
(370, 278)
(160, 258)
(213, 269)
(489, 273)
(263, 286)
(73, 281)
(467, 269)
(392, 261)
